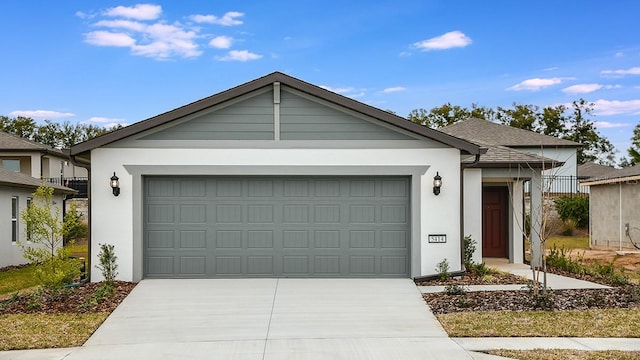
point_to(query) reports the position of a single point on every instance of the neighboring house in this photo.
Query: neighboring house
(15, 194)
(591, 170)
(614, 214)
(41, 162)
(281, 178)
(516, 162)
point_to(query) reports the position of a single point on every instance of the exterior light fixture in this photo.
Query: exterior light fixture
(115, 184)
(437, 183)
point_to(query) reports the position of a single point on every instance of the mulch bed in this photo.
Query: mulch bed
(617, 297)
(81, 299)
(624, 297)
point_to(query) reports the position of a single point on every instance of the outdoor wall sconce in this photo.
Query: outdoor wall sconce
(437, 183)
(115, 184)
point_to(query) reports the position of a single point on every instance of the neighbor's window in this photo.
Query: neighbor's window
(14, 218)
(28, 224)
(11, 164)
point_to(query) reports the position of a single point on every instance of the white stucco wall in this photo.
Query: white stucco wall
(113, 217)
(566, 155)
(10, 252)
(473, 209)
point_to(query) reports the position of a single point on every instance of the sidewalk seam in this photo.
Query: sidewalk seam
(273, 304)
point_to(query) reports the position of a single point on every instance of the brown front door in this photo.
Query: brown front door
(494, 221)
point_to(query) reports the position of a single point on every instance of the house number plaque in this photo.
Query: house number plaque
(437, 238)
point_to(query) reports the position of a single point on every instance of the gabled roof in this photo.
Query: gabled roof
(628, 174)
(591, 170)
(16, 179)
(498, 156)
(267, 80)
(487, 132)
(12, 143)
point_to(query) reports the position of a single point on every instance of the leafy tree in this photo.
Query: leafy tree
(521, 116)
(634, 150)
(20, 126)
(448, 114)
(57, 135)
(553, 121)
(44, 235)
(581, 129)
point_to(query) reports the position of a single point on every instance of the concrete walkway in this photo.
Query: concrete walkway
(269, 319)
(296, 319)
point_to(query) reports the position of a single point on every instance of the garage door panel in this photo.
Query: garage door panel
(276, 226)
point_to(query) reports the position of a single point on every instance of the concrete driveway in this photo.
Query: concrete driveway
(272, 319)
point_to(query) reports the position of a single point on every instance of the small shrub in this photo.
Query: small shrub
(455, 289)
(469, 249)
(543, 300)
(573, 208)
(443, 270)
(480, 270)
(568, 227)
(560, 259)
(108, 265)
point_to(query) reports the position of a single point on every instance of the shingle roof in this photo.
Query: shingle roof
(590, 170)
(16, 179)
(383, 116)
(498, 156)
(9, 142)
(483, 131)
(631, 174)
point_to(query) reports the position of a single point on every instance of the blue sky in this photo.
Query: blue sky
(105, 62)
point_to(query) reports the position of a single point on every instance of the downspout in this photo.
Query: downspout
(462, 167)
(86, 165)
(619, 212)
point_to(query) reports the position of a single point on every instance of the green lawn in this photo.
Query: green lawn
(18, 279)
(568, 242)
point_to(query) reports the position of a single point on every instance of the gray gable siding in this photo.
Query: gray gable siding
(303, 119)
(251, 119)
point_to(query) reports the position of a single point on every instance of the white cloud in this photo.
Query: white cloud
(84, 15)
(239, 55)
(101, 120)
(551, 68)
(122, 24)
(138, 12)
(158, 40)
(394, 89)
(587, 88)
(41, 114)
(616, 107)
(535, 84)
(610, 125)
(221, 42)
(138, 28)
(228, 19)
(107, 38)
(619, 54)
(631, 71)
(449, 40)
(337, 90)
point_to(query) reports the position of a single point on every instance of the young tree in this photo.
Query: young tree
(44, 235)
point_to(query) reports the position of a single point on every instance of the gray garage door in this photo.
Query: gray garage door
(276, 227)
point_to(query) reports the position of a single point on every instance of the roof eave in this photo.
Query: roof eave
(616, 180)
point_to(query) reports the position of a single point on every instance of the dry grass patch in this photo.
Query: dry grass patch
(39, 331)
(569, 323)
(567, 354)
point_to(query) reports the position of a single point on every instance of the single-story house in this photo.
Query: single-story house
(36, 160)
(281, 178)
(517, 162)
(15, 194)
(614, 214)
